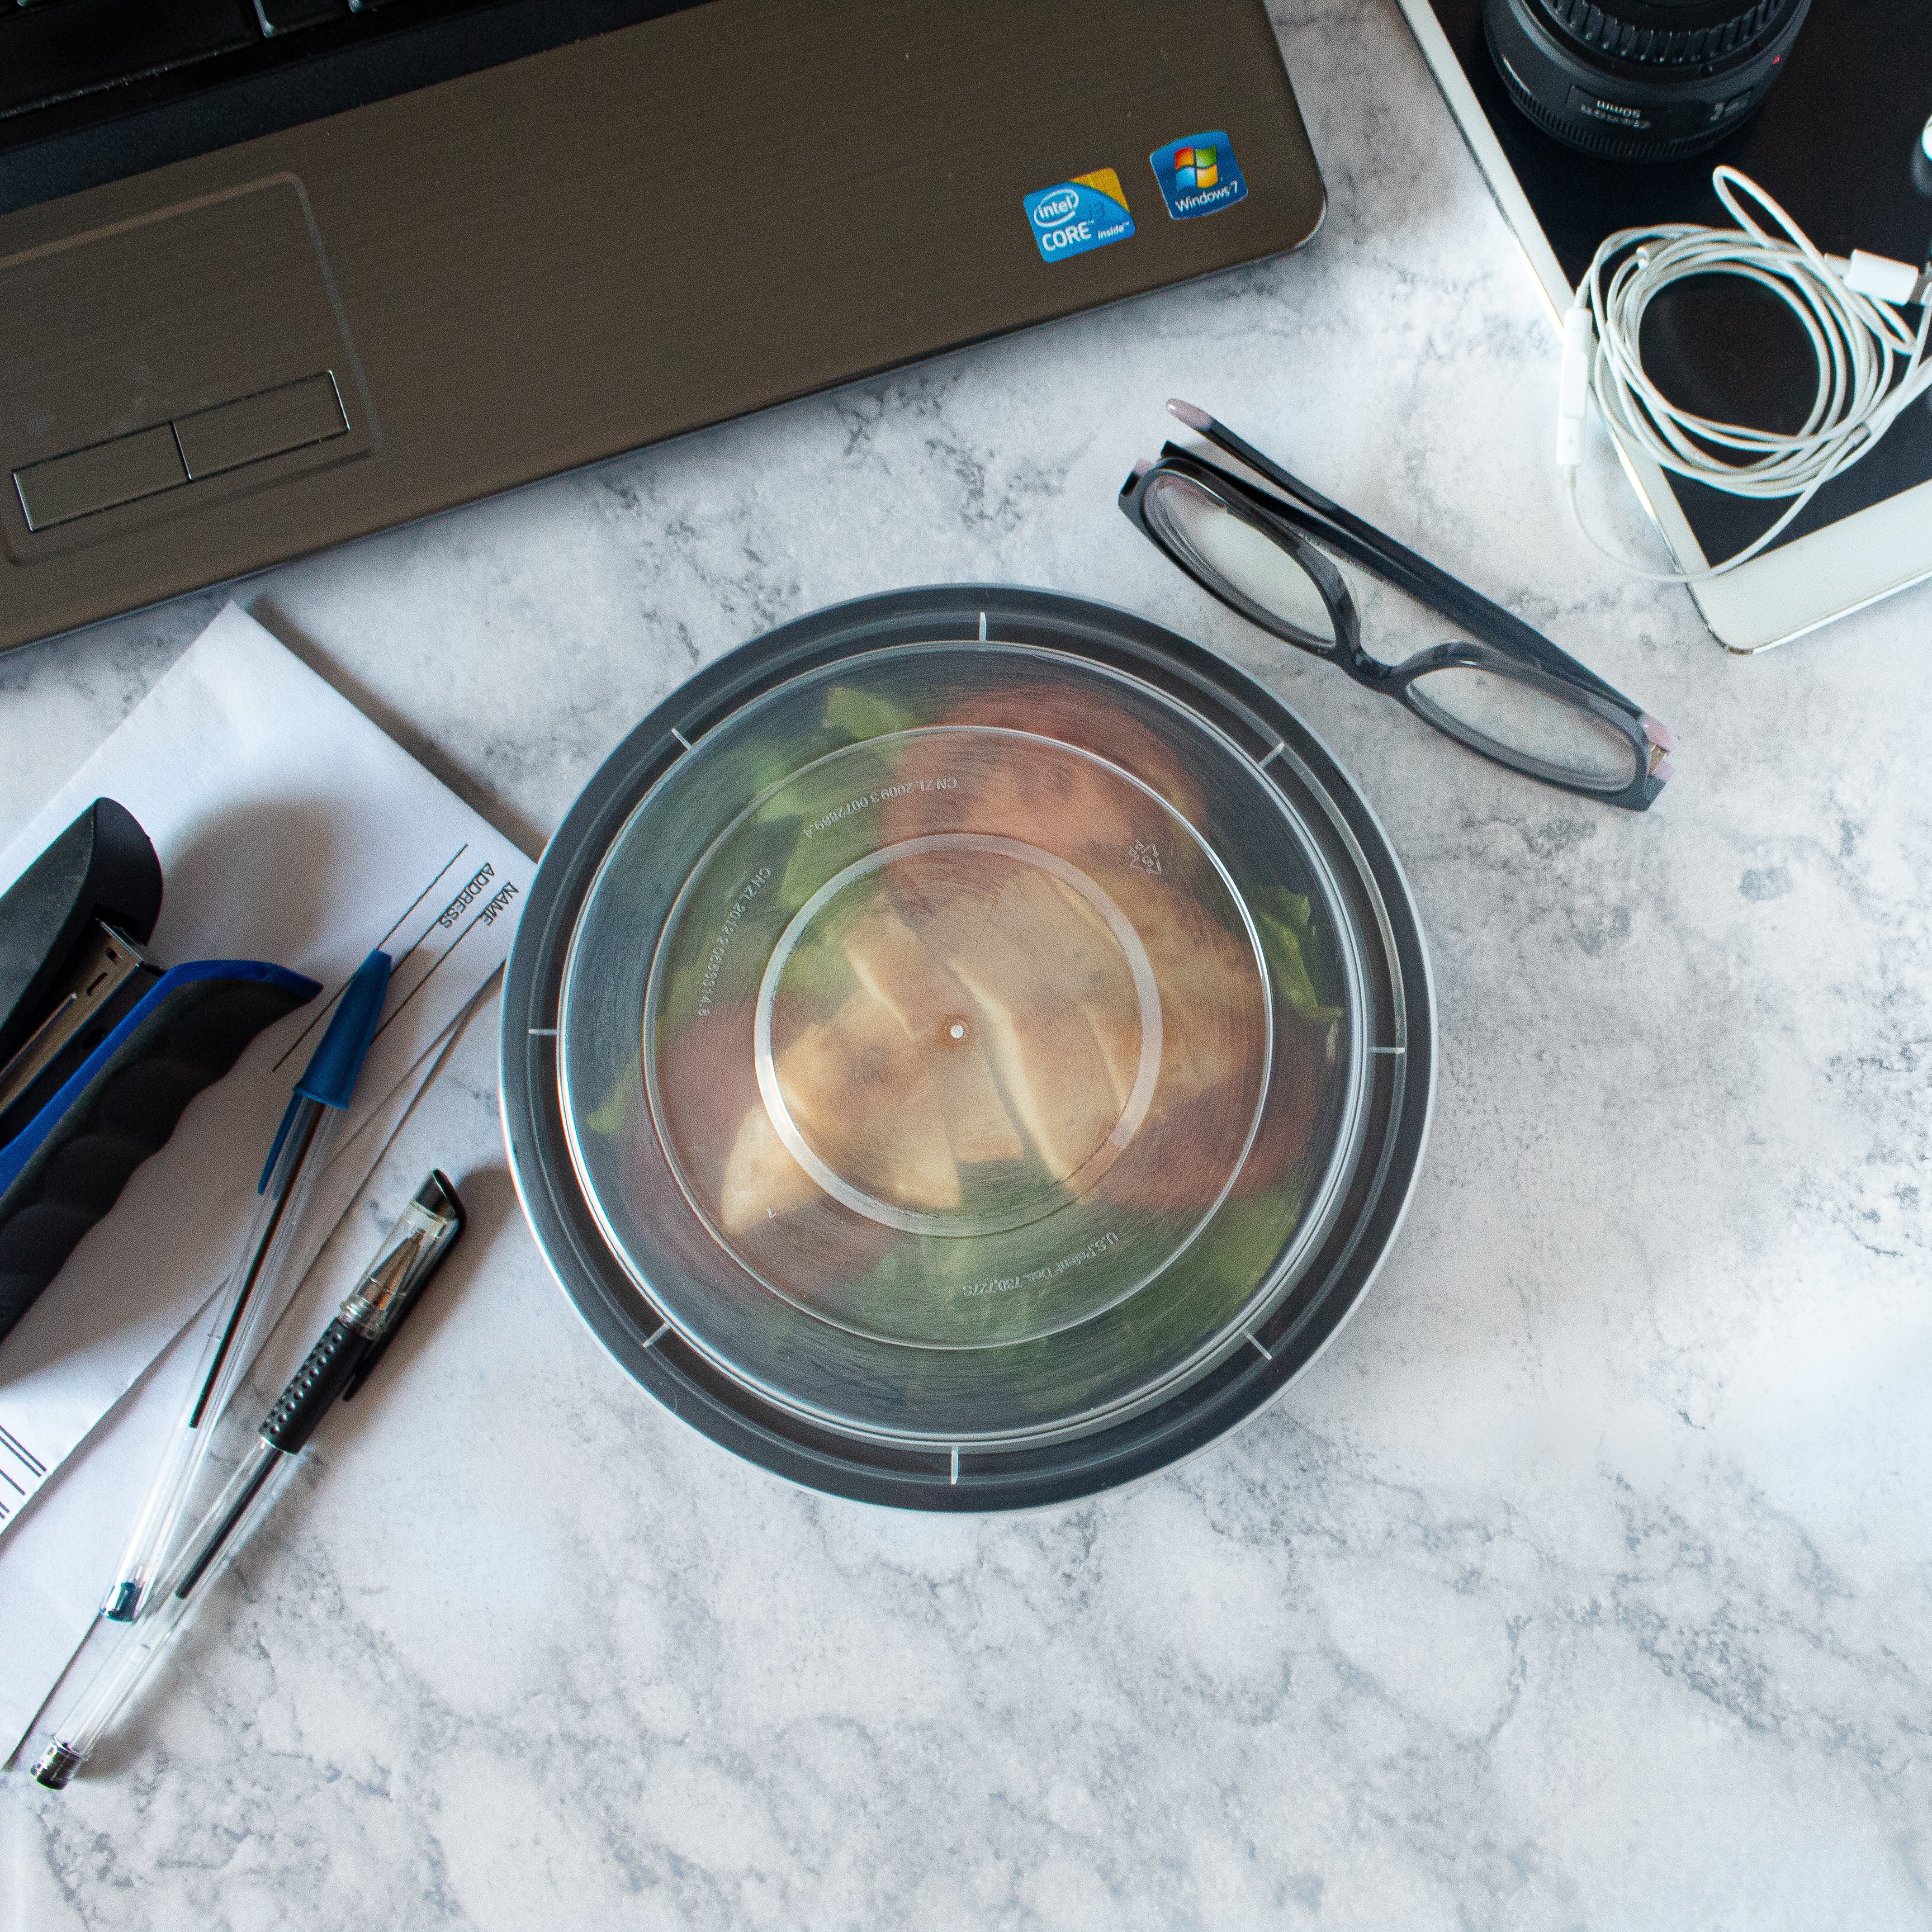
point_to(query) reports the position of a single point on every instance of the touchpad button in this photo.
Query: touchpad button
(292, 417)
(100, 478)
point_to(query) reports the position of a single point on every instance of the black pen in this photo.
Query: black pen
(337, 1366)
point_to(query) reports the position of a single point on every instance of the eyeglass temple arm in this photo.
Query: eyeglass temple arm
(1396, 564)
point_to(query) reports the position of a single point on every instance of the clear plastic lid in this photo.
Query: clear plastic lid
(961, 1045)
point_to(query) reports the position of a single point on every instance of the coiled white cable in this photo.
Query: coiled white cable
(1871, 362)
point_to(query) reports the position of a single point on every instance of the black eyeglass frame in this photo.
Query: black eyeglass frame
(1498, 642)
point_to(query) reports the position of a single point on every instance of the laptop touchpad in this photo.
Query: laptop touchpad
(168, 363)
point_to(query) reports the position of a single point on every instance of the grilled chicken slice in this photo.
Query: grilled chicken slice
(1044, 974)
(858, 1089)
(762, 1181)
(893, 965)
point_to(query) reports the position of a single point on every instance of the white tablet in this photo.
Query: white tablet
(1867, 533)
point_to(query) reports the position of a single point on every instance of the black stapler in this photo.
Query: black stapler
(101, 1048)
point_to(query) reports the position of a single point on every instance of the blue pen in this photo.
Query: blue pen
(315, 1111)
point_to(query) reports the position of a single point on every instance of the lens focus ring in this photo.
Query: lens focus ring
(1655, 40)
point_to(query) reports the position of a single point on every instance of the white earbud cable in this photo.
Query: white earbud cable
(1871, 362)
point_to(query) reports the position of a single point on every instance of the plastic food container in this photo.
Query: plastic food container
(967, 1049)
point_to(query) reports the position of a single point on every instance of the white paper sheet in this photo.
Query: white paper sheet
(57, 1565)
(291, 829)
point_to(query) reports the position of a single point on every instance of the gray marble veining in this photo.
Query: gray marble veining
(1583, 1583)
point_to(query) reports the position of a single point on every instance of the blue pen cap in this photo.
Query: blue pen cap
(333, 1069)
(335, 1065)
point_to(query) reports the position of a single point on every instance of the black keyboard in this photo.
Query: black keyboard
(92, 90)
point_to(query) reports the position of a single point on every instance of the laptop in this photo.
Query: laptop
(278, 273)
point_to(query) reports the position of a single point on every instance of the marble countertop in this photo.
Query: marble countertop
(1583, 1582)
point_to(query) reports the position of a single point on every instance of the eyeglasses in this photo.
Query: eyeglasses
(1505, 691)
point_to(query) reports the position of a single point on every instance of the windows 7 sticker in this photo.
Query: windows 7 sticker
(1199, 175)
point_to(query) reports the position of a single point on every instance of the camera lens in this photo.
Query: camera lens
(1641, 80)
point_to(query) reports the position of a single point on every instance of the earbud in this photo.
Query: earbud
(1573, 399)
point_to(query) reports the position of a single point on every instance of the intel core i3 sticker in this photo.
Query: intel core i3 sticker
(1087, 212)
(1198, 175)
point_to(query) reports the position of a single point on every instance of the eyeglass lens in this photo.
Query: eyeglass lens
(1229, 552)
(1519, 721)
